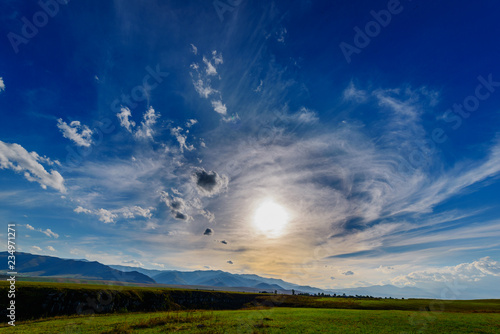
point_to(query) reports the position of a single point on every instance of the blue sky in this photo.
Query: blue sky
(129, 129)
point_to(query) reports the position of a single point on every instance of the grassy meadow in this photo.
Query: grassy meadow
(272, 320)
(193, 311)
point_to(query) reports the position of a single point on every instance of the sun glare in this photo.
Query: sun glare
(271, 218)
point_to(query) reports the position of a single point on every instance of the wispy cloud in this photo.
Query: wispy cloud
(351, 93)
(48, 232)
(203, 84)
(2, 85)
(194, 49)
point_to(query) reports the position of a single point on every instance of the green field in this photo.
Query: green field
(274, 320)
(51, 308)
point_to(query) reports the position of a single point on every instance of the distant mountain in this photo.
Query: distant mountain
(207, 278)
(218, 278)
(49, 266)
(268, 287)
(147, 272)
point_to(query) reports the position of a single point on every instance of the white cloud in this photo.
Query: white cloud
(385, 269)
(210, 68)
(259, 88)
(48, 232)
(109, 216)
(124, 116)
(135, 211)
(306, 116)
(219, 107)
(465, 272)
(133, 263)
(146, 129)
(351, 93)
(15, 157)
(161, 265)
(45, 160)
(280, 35)
(50, 248)
(191, 122)
(209, 215)
(82, 210)
(2, 85)
(36, 248)
(106, 216)
(80, 134)
(202, 84)
(181, 139)
(217, 57)
(194, 49)
(203, 88)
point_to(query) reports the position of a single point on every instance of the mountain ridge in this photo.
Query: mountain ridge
(51, 266)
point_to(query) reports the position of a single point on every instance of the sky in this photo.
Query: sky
(156, 134)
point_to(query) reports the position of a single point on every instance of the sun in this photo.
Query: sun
(271, 218)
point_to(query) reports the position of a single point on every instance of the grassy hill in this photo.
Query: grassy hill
(60, 299)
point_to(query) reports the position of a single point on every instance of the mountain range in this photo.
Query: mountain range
(49, 266)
